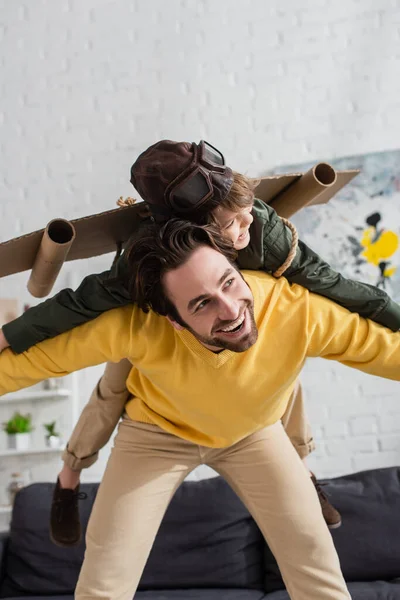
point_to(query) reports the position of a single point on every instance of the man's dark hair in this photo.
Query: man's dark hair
(162, 248)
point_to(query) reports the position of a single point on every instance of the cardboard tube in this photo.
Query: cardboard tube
(304, 190)
(53, 250)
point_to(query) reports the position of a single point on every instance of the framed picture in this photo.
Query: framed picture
(358, 231)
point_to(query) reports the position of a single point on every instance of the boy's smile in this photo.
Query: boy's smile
(235, 224)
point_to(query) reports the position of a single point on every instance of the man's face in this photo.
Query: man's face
(213, 301)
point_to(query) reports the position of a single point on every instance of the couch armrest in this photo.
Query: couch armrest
(4, 536)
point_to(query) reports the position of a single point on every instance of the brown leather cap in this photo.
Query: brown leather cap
(156, 169)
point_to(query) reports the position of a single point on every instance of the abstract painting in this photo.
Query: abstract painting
(358, 231)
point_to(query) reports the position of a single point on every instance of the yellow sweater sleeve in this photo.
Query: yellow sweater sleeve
(107, 337)
(336, 334)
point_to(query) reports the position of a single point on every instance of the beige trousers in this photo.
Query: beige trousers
(101, 414)
(146, 467)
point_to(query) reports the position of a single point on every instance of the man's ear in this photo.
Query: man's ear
(175, 324)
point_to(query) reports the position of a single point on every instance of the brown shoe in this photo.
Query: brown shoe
(65, 526)
(331, 515)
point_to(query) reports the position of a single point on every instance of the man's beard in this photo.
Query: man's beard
(240, 345)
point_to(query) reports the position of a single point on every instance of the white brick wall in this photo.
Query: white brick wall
(85, 85)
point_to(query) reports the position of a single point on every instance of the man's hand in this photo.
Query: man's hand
(3, 341)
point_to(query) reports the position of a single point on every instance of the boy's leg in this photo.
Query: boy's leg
(296, 424)
(298, 429)
(99, 417)
(144, 470)
(267, 474)
(92, 431)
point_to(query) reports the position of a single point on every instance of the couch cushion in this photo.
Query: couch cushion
(206, 594)
(373, 590)
(203, 594)
(207, 539)
(368, 542)
(376, 590)
(62, 597)
(34, 565)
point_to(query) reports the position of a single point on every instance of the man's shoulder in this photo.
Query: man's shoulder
(130, 315)
(262, 285)
(266, 288)
(260, 280)
(141, 327)
(147, 322)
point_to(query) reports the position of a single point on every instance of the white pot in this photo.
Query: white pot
(53, 441)
(19, 441)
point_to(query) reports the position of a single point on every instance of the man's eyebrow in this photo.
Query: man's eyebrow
(192, 303)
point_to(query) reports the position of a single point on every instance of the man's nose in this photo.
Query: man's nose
(229, 309)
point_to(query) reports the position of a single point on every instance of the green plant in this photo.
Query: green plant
(18, 424)
(51, 429)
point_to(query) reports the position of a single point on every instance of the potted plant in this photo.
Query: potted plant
(18, 430)
(52, 436)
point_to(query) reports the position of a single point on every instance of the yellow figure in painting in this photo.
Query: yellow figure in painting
(379, 246)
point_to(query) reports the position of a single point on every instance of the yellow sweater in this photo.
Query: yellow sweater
(213, 399)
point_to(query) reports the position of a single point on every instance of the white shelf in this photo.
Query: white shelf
(35, 395)
(5, 509)
(31, 451)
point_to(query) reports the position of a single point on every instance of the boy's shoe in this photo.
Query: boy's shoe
(65, 525)
(331, 515)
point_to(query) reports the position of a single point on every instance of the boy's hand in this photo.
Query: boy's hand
(3, 341)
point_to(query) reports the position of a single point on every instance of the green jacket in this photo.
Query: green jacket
(269, 246)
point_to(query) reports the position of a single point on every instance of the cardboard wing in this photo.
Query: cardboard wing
(44, 251)
(288, 194)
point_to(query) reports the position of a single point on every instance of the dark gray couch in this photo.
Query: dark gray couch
(209, 548)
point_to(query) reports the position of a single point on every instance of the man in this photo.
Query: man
(210, 384)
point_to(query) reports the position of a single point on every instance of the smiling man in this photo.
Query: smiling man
(236, 346)
(234, 327)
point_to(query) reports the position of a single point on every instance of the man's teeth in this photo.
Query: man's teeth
(234, 325)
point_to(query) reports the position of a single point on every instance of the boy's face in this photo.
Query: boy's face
(213, 301)
(235, 225)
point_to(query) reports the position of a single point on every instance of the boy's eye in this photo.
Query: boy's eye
(229, 282)
(229, 224)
